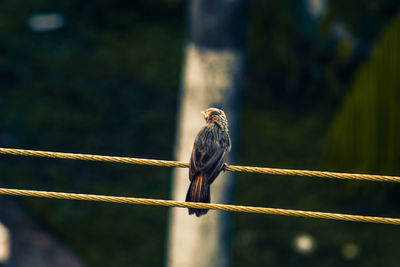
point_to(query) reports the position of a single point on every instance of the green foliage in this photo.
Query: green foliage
(296, 83)
(363, 17)
(365, 133)
(106, 83)
(364, 137)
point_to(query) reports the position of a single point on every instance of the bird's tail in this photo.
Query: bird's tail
(199, 191)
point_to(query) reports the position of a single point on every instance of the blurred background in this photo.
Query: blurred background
(321, 92)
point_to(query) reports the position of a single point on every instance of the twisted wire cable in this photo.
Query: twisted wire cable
(172, 203)
(166, 163)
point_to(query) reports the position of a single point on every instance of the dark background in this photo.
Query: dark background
(320, 92)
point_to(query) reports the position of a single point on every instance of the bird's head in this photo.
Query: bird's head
(217, 116)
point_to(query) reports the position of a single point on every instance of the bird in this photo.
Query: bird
(208, 157)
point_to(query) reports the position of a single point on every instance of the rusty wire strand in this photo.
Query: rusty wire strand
(166, 163)
(172, 203)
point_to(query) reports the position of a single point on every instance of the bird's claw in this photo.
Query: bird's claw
(224, 166)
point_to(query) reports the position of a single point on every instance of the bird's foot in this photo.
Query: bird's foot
(224, 166)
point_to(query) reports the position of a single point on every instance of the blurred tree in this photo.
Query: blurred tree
(294, 86)
(105, 83)
(212, 78)
(365, 133)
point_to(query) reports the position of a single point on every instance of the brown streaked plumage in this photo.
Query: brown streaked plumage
(208, 157)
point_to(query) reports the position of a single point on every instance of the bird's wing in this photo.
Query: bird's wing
(216, 167)
(208, 159)
(192, 166)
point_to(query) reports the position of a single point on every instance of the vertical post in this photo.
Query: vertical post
(212, 77)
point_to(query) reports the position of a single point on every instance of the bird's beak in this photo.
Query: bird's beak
(204, 114)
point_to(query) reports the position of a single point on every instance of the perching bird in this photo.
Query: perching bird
(208, 157)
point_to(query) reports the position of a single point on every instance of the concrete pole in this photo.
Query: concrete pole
(212, 77)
